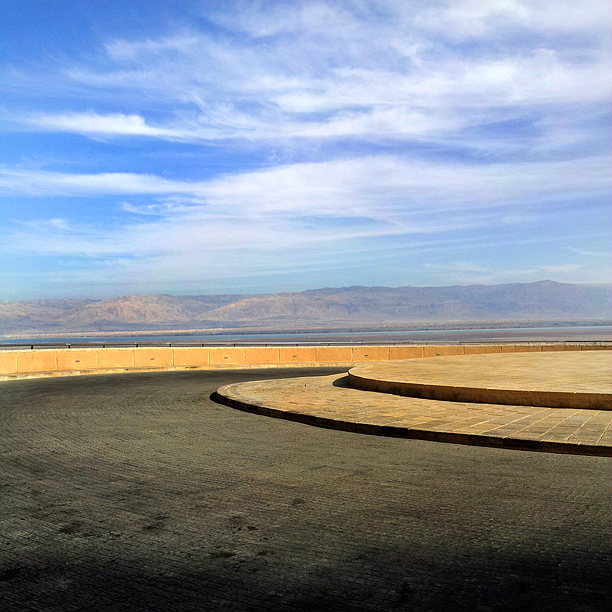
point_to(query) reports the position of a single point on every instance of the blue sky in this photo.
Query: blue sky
(189, 147)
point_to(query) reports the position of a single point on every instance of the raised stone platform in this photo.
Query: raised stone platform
(554, 380)
(331, 402)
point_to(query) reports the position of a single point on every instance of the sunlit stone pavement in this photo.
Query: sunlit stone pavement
(554, 377)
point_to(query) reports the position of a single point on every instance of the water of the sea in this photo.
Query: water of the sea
(594, 333)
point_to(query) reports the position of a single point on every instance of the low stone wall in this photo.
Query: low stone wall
(63, 361)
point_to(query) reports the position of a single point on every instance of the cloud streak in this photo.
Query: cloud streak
(324, 71)
(371, 184)
(305, 203)
(270, 138)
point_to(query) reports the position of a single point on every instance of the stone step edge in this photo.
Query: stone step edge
(484, 395)
(222, 396)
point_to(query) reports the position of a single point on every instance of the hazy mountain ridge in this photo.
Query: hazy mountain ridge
(545, 300)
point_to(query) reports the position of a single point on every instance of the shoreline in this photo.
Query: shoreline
(569, 334)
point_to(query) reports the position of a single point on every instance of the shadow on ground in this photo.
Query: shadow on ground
(138, 493)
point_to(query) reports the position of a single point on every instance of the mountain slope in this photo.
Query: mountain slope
(545, 300)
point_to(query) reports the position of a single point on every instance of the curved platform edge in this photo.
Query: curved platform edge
(226, 395)
(506, 397)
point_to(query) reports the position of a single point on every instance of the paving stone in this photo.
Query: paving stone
(575, 379)
(138, 493)
(339, 406)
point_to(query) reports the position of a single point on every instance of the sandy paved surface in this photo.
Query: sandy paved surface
(136, 492)
(331, 402)
(570, 372)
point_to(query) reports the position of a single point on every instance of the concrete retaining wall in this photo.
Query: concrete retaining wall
(58, 362)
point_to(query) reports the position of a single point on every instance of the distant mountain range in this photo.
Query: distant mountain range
(338, 307)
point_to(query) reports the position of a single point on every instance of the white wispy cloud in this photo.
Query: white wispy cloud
(28, 182)
(375, 120)
(590, 253)
(327, 70)
(371, 185)
(115, 124)
(303, 203)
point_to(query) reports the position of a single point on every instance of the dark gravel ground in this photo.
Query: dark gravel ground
(136, 492)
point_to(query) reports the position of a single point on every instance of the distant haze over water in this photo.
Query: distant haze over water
(591, 333)
(393, 313)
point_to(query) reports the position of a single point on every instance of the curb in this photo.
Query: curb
(478, 395)
(223, 396)
(207, 368)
